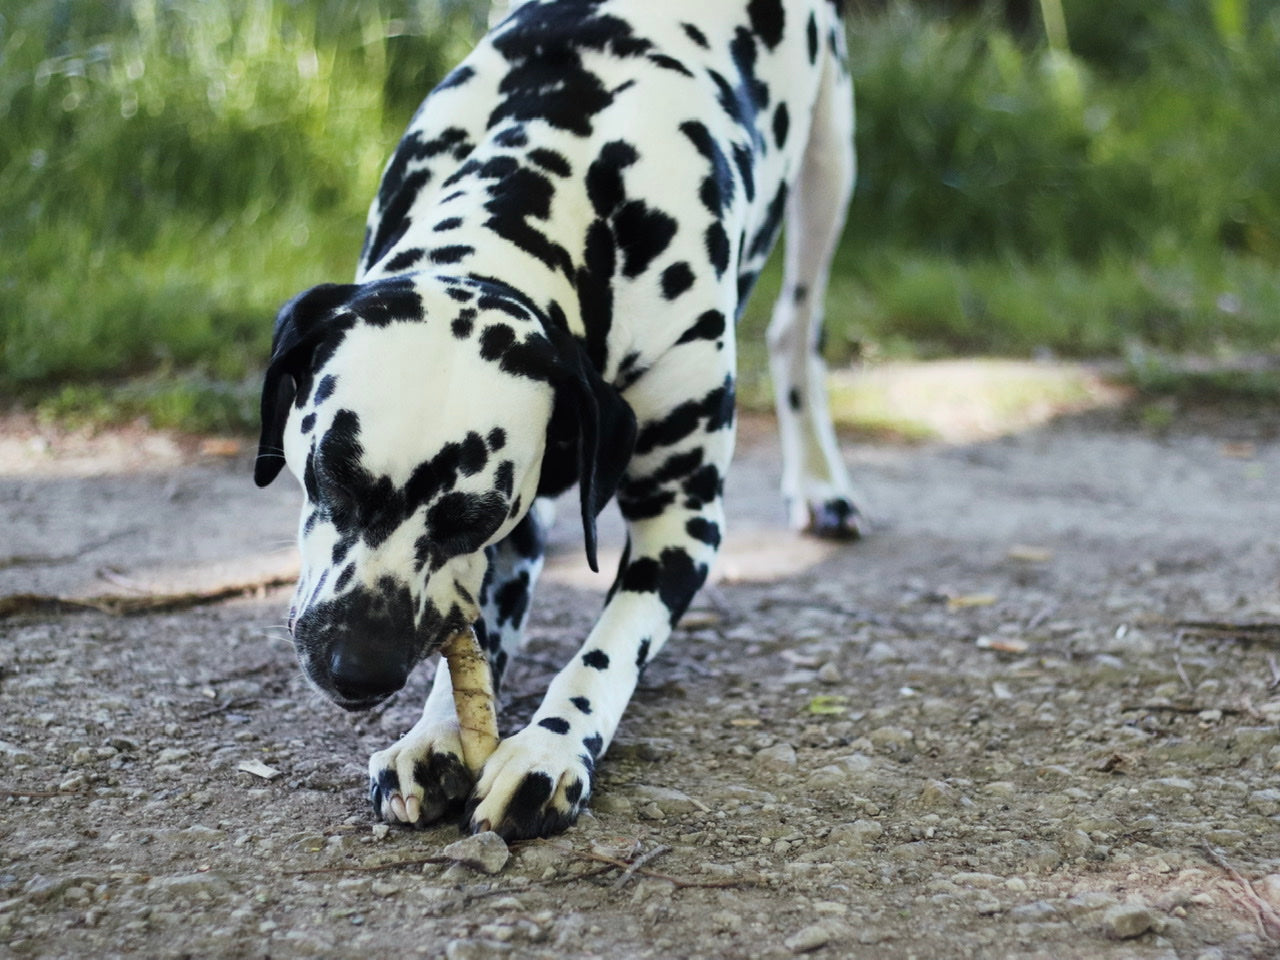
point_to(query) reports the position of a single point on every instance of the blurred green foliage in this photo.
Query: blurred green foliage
(173, 170)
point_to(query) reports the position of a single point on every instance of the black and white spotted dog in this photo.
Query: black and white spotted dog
(552, 270)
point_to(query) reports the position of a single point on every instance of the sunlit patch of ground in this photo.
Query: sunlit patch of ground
(961, 401)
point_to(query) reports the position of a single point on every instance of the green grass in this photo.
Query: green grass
(173, 171)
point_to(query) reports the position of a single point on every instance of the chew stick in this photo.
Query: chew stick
(472, 697)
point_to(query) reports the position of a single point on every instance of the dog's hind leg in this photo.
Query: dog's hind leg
(814, 480)
(422, 778)
(514, 565)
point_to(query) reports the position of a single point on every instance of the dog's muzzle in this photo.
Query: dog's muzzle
(359, 648)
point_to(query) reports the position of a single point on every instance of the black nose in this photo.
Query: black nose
(364, 673)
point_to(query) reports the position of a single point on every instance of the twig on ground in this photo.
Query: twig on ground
(1182, 674)
(369, 868)
(16, 604)
(678, 882)
(636, 864)
(1174, 708)
(1265, 915)
(1263, 631)
(40, 794)
(235, 704)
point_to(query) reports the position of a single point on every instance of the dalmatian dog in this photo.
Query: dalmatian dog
(551, 272)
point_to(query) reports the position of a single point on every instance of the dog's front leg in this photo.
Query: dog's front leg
(538, 780)
(421, 778)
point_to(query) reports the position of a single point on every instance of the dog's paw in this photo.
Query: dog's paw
(835, 518)
(535, 784)
(421, 778)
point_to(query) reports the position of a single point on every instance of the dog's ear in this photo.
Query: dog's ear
(603, 425)
(299, 324)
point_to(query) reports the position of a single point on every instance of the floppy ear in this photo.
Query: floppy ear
(298, 326)
(605, 427)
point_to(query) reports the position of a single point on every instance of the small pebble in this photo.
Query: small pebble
(811, 937)
(486, 852)
(780, 758)
(1128, 920)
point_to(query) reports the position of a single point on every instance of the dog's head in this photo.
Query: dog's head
(417, 411)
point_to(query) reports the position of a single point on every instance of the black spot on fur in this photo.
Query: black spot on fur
(555, 724)
(595, 293)
(753, 93)
(642, 654)
(700, 528)
(717, 242)
(604, 176)
(597, 659)
(496, 339)
(676, 279)
(674, 577)
(768, 231)
(457, 78)
(746, 281)
(324, 390)
(767, 20)
(743, 160)
(552, 161)
(573, 793)
(582, 703)
(641, 233)
(546, 79)
(344, 578)
(811, 37)
(451, 254)
(629, 371)
(307, 425)
(793, 399)
(669, 63)
(513, 136)
(497, 439)
(459, 523)
(702, 486)
(525, 815)
(399, 188)
(716, 409)
(643, 497)
(637, 506)
(404, 259)
(519, 195)
(717, 188)
(594, 744)
(781, 124)
(448, 223)
(709, 326)
(504, 478)
(380, 302)
(696, 35)
(463, 324)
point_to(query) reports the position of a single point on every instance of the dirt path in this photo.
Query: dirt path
(990, 730)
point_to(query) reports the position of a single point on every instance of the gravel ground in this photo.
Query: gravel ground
(989, 730)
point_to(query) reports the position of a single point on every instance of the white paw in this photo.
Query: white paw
(421, 777)
(535, 785)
